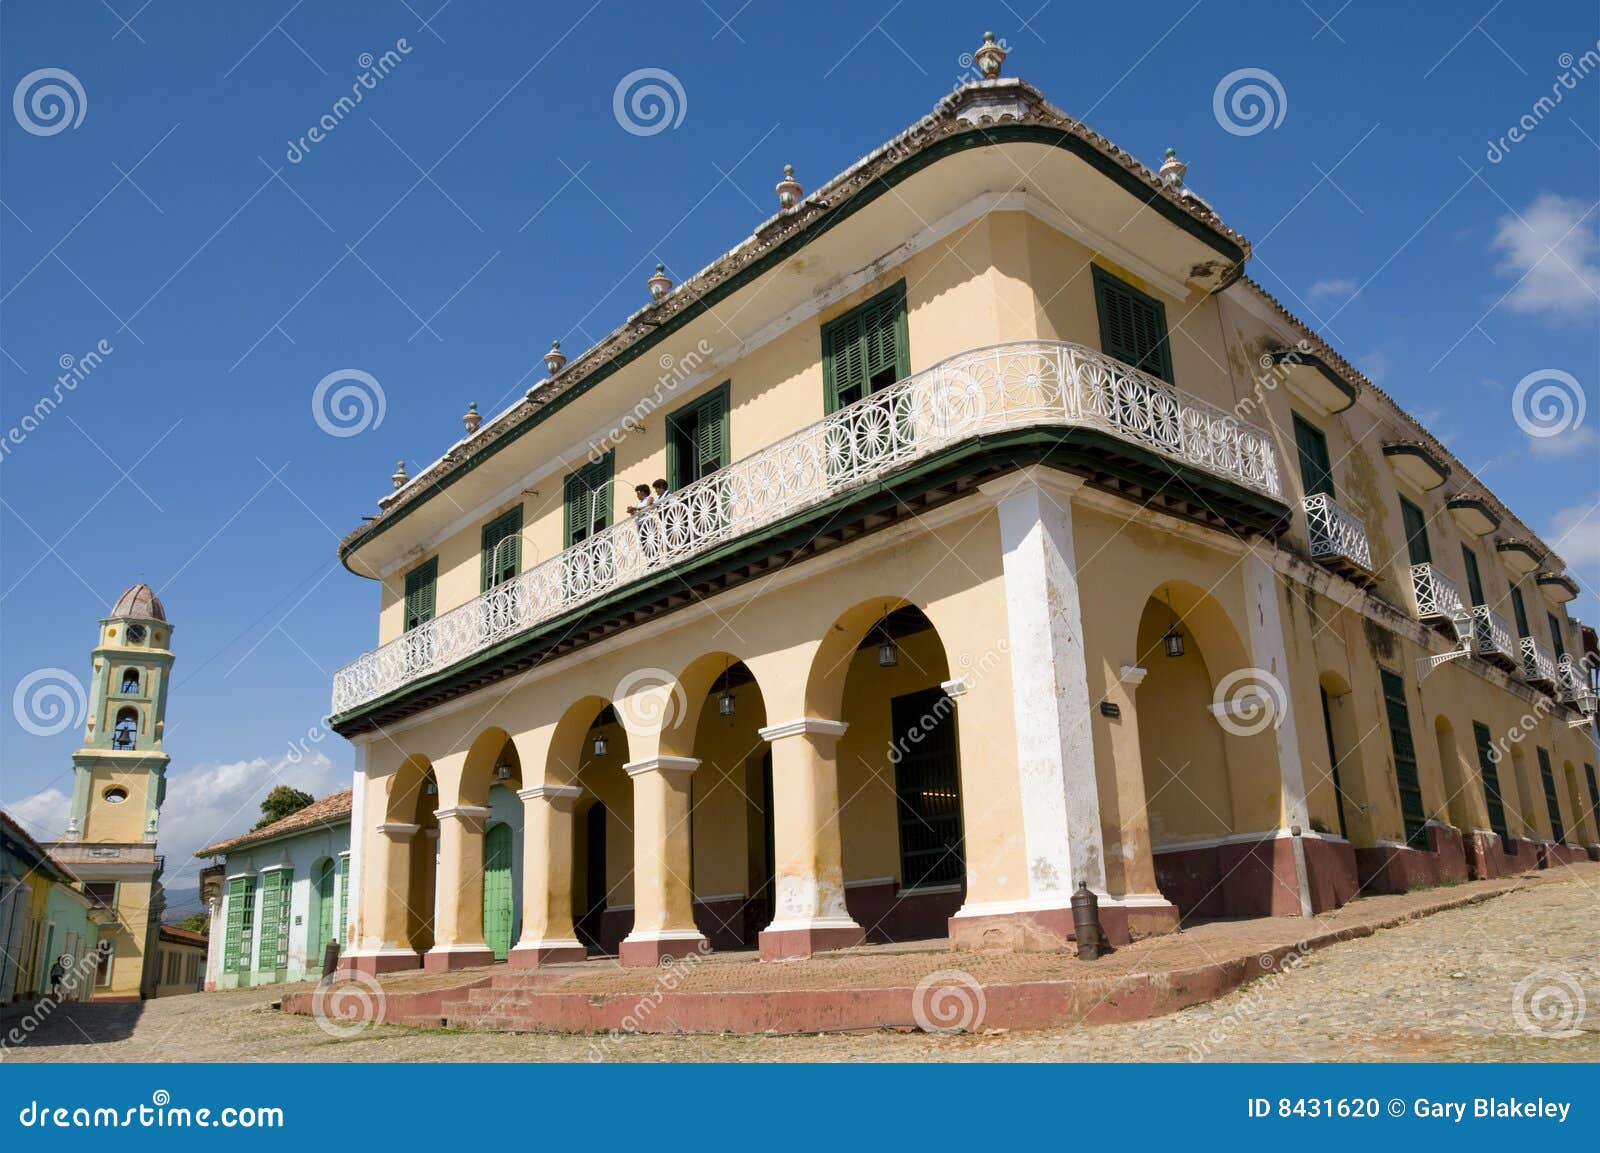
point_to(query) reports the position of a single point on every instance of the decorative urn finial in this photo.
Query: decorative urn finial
(399, 476)
(660, 284)
(789, 190)
(553, 360)
(989, 57)
(1172, 170)
(470, 419)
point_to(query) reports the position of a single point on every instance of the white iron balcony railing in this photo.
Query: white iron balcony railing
(1007, 386)
(1491, 635)
(1571, 680)
(1438, 598)
(1338, 538)
(1538, 663)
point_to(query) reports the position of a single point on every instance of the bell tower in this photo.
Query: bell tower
(119, 782)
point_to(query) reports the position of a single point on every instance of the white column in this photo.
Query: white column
(348, 931)
(1050, 685)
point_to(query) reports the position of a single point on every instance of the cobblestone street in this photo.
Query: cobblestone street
(1445, 987)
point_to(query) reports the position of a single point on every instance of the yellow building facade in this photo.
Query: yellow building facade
(1014, 541)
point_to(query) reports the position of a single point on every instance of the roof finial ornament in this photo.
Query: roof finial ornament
(990, 57)
(554, 359)
(1172, 170)
(660, 284)
(470, 419)
(399, 476)
(789, 190)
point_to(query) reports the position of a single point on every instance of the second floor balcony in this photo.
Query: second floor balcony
(980, 396)
(1538, 663)
(1492, 637)
(1572, 683)
(1437, 598)
(1338, 538)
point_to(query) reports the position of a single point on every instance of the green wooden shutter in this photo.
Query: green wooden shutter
(586, 496)
(1474, 579)
(344, 899)
(711, 433)
(1520, 611)
(1555, 635)
(1405, 761)
(237, 936)
(320, 930)
(1558, 832)
(1491, 780)
(1594, 791)
(1316, 472)
(1416, 529)
(420, 583)
(505, 527)
(497, 898)
(1133, 325)
(866, 349)
(273, 951)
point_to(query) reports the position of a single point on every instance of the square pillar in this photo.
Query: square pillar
(385, 944)
(663, 895)
(809, 862)
(458, 896)
(548, 936)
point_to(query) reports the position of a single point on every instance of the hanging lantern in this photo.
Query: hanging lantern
(470, 419)
(789, 190)
(660, 284)
(502, 772)
(888, 652)
(601, 745)
(430, 788)
(553, 360)
(989, 57)
(725, 703)
(1172, 639)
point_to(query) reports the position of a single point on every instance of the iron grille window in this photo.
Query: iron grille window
(928, 787)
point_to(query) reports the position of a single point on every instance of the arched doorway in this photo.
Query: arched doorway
(413, 799)
(1458, 801)
(589, 751)
(499, 926)
(320, 918)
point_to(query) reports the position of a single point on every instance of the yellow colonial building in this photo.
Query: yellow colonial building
(1014, 540)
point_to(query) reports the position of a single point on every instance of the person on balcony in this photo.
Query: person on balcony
(649, 521)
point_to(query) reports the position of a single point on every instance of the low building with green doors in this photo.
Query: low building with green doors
(284, 894)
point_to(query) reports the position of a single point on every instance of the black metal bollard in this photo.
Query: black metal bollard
(330, 958)
(1086, 924)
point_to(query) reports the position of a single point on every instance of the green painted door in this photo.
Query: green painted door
(1407, 782)
(497, 889)
(322, 919)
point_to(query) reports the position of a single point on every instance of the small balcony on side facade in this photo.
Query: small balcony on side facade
(1573, 686)
(1493, 639)
(1338, 538)
(1437, 598)
(1538, 664)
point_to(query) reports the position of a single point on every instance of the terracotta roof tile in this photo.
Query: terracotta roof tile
(334, 809)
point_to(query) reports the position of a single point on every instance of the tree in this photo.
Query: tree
(196, 922)
(282, 801)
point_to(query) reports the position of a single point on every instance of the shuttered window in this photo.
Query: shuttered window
(1594, 792)
(1558, 832)
(1474, 578)
(1407, 782)
(420, 583)
(1133, 325)
(1416, 530)
(1519, 610)
(237, 939)
(1491, 780)
(500, 549)
(1555, 635)
(274, 935)
(866, 349)
(342, 929)
(1316, 473)
(587, 500)
(697, 439)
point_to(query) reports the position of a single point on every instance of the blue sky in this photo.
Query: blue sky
(484, 199)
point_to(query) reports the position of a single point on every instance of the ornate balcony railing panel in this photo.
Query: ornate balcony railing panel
(1338, 538)
(1538, 663)
(1571, 680)
(1008, 386)
(1438, 599)
(1492, 637)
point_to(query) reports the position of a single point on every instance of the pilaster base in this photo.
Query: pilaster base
(543, 953)
(388, 961)
(645, 952)
(787, 943)
(457, 957)
(1030, 930)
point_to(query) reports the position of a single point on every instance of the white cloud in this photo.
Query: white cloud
(1575, 535)
(1571, 442)
(43, 815)
(1334, 288)
(1376, 365)
(1553, 247)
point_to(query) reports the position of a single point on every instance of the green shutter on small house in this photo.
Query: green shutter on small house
(586, 496)
(1407, 782)
(1558, 832)
(1491, 780)
(496, 564)
(237, 936)
(1133, 325)
(697, 438)
(866, 349)
(1416, 530)
(344, 899)
(272, 954)
(420, 583)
